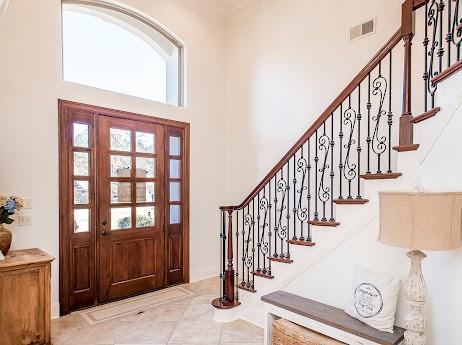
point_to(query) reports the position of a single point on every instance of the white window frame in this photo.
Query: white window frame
(175, 62)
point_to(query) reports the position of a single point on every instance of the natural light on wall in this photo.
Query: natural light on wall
(111, 49)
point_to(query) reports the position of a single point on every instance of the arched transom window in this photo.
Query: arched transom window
(119, 50)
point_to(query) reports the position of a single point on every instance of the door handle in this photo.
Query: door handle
(104, 233)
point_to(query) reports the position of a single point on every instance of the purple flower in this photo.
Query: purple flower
(10, 206)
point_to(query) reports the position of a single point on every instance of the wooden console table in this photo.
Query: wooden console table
(324, 319)
(25, 298)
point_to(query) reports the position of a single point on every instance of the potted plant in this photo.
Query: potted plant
(8, 206)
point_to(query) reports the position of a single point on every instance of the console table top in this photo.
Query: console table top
(25, 257)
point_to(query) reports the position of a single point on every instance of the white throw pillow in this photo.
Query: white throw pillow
(374, 299)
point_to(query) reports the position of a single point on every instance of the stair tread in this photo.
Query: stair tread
(448, 72)
(327, 223)
(380, 176)
(246, 288)
(299, 242)
(282, 260)
(350, 201)
(406, 148)
(427, 115)
(263, 275)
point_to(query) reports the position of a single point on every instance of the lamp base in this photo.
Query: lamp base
(416, 295)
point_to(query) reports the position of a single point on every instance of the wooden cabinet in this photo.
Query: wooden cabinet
(25, 298)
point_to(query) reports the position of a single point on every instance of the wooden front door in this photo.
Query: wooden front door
(130, 169)
(124, 200)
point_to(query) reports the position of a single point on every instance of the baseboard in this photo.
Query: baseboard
(55, 310)
(203, 273)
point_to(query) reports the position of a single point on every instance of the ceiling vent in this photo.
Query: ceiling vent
(363, 30)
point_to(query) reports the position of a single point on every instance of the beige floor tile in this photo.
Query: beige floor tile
(204, 299)
(196, 332)
(241, 331)
(188, 321)
(199, 312)
(173, 312)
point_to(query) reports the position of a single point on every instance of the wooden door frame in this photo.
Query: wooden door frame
(64, 107)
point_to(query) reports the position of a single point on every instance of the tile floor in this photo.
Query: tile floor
(188, 321)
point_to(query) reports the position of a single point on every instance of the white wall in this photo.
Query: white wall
(287, 61)
(31, 83)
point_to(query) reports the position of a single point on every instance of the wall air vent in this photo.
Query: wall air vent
(362, 30)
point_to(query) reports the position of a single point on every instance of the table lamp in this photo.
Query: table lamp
(419, 221)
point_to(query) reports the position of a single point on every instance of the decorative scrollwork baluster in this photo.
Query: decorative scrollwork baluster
(248, 250)
(309, 195)
(456, 31)
(281, 227)
(349, 169)
(358, 147)
(324, 191)
(379, 142)
(263, 243)
(332, 174)
(301, 211)
(433, 14)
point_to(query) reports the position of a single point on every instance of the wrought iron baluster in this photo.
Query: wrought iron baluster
(248, 223)
(433, 14)
(441, 51)
(369, 138)
(243, 249)
(349, 169)
(390, 111)
(324, 192)
(340, 164)
(456, 31)
(253, 243)
(302, 215)
(316, 190)
(263, 243)
(294, 194)
(332, 174)
(237, 253)
(258, 233)
(358, 148)
(288, 210)
(270, 233)
(449, 34)
(275, 217)
(426, 76)
(282, 229)
(309, 196)
(379, 142)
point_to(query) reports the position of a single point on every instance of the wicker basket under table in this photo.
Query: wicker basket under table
(288, 333)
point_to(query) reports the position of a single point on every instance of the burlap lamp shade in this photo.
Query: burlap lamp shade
(425, 221)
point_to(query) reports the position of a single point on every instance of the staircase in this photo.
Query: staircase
(353, 143)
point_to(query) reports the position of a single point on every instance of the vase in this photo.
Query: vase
(5, 240)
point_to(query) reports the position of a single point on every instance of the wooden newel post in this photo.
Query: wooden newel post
(407, 32)
(229, 274)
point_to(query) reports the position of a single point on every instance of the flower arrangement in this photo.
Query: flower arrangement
(9, 206)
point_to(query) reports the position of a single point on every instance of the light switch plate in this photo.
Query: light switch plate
(24, 219)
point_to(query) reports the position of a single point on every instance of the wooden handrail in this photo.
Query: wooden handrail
(372, 64)
(419, 3)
